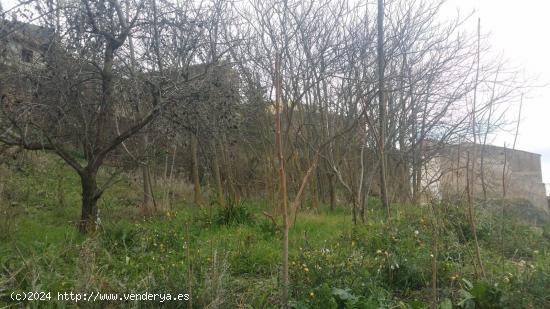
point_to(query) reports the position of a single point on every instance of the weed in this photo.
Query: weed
(233, 213)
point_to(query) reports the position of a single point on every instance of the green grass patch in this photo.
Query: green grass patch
(231, 257)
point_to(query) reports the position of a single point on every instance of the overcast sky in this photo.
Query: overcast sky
(519, 29)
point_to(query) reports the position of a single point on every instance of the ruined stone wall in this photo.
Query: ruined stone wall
(23, 43)
(22, 47)
(522, 175)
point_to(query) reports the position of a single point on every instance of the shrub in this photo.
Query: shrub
(481, 295)
(267, 229)
(233, 213)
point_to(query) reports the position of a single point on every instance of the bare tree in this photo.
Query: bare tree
(84, 84)
(382, 109)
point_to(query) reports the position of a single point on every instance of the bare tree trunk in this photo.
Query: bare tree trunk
(148, 198)
(296, 202)
(360, 194)
(269, 186)
(469, 188)
(165, 184)
(482, 172)
(217, 176)
(90, 196)
(147, 187)
(367, 188)
(354, 208)
(517, 125)
(168, 181)
(470, 181)
(382, 110)
(196, 179)
(314, 192)
(435, 251)
(331, 191)
(458, 170)
(228, 170)
(153, 199)
(283, 195)
(190, 275)
(502, 205)
(489, 117)
(415, 182)
(147, 194)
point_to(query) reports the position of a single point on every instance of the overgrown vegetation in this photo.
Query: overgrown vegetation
(233, 213)
(233, 260)
(263, 153)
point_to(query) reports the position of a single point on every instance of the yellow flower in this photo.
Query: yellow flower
(311, 294)
(306, 269)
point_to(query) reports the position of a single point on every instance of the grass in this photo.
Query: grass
(229, 263)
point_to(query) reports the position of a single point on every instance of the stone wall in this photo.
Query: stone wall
(23, 43)
(522, 175)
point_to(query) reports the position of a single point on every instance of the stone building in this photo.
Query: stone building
(520, 171)
(22, 48)
(23, 43)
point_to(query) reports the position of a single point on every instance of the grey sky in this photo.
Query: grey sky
(519, 31)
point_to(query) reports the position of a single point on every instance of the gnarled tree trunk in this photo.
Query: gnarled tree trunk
(90, 196)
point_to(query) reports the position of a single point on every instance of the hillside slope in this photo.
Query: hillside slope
(230, 258)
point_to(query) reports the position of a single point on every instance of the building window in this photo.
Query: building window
(26, 55)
